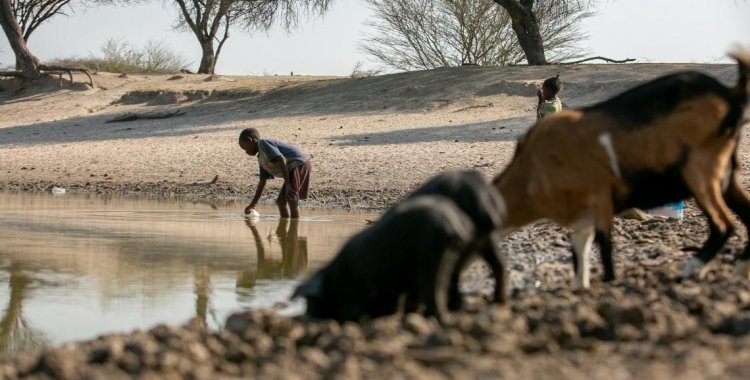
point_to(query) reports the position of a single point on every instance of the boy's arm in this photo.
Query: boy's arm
(539, 96)
(258, 192)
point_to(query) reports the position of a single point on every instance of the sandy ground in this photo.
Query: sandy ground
(372, 140)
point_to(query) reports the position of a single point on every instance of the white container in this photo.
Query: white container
(674, 210)
(253, 214)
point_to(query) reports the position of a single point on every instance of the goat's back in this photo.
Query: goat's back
(641, 106)
(471, 193)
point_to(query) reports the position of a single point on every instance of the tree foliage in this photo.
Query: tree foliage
(262, 14)
(425, 34)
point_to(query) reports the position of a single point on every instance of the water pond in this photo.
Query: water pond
(77, 266)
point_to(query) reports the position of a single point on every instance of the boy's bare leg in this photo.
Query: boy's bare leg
(294, 208)
(283, 208)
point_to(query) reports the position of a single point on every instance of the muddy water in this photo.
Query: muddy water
(73, 267)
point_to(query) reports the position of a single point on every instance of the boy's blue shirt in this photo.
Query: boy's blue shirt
(268, 149)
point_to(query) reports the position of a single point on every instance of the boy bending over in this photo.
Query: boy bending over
(278, 159)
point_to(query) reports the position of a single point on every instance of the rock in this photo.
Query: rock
(634, 214)
(417, 324)
(60, 363)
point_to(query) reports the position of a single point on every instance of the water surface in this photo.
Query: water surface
(78, 266)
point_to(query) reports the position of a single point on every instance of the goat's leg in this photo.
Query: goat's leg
(737, 199)
(487, 249)
(712, 203)
(603, 235)
(582, 236)
(434, 284)
(455, 299)
(497, 264)
(603, 239)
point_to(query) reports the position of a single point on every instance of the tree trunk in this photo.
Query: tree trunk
(526, 27)
(208, 59)
(25, 61)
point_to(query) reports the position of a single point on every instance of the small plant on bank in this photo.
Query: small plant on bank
(360, 72)
(123, 57)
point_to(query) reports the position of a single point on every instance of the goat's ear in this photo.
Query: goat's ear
(310, 288)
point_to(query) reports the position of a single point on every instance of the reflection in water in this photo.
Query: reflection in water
(15, 333)
(77, 266)
(293, 254)
(293, 262)
(202, 286)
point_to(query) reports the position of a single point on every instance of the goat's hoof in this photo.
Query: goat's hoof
(742, 269)
(582, 286)
(501, 300)
(455, 306)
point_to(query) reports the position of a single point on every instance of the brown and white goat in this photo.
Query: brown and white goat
(663, 141)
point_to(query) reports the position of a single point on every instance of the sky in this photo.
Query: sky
(647, 30)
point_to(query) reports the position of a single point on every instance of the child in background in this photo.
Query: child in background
(547, 95)
(278, 159)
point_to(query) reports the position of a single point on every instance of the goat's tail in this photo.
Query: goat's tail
(742, 55)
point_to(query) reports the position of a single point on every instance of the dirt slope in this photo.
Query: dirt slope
(371, 139)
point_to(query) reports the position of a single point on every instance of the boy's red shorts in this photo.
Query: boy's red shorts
(299, 182)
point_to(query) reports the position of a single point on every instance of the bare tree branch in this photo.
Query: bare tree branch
(424, 34)
(32, 13)
(609, 60)
(50, 70)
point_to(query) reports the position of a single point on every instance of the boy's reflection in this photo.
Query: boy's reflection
(15, 333)
(293, 254)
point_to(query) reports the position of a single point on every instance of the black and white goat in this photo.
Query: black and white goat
(663, 141)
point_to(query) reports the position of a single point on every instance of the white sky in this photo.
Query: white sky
(648, 30)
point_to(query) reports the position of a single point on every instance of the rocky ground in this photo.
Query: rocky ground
(366, 136)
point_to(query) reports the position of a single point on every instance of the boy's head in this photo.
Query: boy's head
(249, 141)
(551, 87)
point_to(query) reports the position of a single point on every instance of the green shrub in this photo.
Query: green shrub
(123, 57)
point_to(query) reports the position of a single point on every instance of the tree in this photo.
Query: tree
(211, 20)
(26, 62)
(19, 19)
(424, 34)
(526, 25)
(205, 19)
(32, 13)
